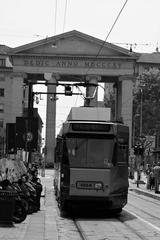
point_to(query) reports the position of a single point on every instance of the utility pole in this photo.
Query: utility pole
(28, 122)
(141, 113)
(30, 99)
(138, 151)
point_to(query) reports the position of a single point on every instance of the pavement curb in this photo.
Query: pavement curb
(145, 193)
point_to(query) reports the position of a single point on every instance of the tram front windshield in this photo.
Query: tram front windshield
(90, 152)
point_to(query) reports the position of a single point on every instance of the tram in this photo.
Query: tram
(91, 161)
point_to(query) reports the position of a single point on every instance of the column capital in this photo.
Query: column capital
(127, 77)
(91, 77)
(54, 77)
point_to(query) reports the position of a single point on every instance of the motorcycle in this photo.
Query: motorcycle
(30, 194)
(20, 213)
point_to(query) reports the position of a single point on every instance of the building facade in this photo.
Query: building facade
(13, 97)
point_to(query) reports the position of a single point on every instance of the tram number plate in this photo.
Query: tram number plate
(86, 185)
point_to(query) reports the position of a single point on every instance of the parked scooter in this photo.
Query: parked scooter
(23, 195)
(38, 186)
(29, 193)
(20, 212)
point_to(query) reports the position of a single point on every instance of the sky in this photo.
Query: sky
(26, 21)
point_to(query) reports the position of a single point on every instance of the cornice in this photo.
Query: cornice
(78, 57)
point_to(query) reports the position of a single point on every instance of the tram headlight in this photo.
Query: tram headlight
(98, 186)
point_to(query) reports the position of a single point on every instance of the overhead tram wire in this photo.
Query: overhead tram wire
(64, 23)
(55, 18)
(65, 13)
(108, 34)
(133, 44)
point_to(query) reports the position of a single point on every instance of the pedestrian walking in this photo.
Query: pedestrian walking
(152, 180)
(156, 174)
(150, 177)
(38, 187)
(148, 171)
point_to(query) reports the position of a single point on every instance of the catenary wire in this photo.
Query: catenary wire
(65, 13)
(101, 47)
(55, 17)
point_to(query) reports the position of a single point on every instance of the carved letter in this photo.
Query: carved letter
(75, 63)
(25, 62)
(69, 64)
(46, 63)
(86, 64)
(63, 64)
(58, 64)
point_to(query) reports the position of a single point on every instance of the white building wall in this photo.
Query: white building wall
(13, 97)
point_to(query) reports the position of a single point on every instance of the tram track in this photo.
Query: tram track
(145, 212)
(126, 231)
(131, 224)
(149, 199)
(137, 233)
(80, 230)
(153, 202)
(127, 225)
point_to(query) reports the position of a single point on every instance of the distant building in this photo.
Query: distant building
(6, 113)
(13, 97)
(147, 61)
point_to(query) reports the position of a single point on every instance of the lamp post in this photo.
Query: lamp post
(141, 112)
(142, 84)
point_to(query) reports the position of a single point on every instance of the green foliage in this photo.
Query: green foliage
(147, 92)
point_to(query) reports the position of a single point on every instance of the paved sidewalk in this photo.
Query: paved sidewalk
(142, 189)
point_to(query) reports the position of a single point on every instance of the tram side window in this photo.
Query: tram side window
(123, 153)
(115, 152)
(65, 158)
(58, 150)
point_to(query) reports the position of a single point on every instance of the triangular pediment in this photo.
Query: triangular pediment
(72, 43)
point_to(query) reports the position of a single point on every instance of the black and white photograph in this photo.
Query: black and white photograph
(79, 120)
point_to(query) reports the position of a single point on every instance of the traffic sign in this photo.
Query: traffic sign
(29, 136)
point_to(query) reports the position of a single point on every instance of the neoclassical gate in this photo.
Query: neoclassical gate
(71, 56)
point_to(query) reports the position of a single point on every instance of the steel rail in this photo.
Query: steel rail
(80, 230)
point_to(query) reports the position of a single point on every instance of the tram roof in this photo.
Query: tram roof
(89, 114)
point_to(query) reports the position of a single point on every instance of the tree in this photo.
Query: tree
(146, 97)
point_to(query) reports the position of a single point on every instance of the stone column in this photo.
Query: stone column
(126, 101)
(91, 91)
(51, 120)
(118, 100)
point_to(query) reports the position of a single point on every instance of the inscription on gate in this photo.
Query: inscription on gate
(101, 64)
